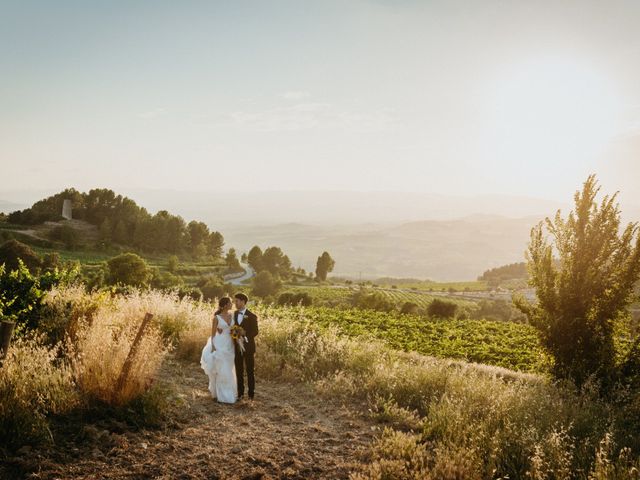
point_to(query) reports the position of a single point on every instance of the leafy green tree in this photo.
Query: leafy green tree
(233, 264)
(324, 265)
(585, 289)
(128, 269)
(12, 251)
(198, 234)
(173, 263)
(265, 284)
(22, 292)
(215, 242)
(254, 259)
(275, 261)
(441, 309)
(105, 230)
(120, 233)
(243, 257)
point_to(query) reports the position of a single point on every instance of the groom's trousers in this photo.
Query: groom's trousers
(245, 361)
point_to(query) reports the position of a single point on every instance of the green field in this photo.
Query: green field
(504, 344)
(341, 296)
(429, 286)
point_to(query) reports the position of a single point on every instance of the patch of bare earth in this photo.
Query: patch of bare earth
(287, 432)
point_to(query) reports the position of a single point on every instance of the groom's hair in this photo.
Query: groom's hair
(242, 296)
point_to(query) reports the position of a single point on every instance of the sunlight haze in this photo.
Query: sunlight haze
(515, 98)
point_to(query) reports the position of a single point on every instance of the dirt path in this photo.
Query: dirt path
(287, 432)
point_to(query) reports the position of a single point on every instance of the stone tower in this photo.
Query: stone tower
(66, 209)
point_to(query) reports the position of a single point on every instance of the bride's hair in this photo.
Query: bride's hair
(222, 303)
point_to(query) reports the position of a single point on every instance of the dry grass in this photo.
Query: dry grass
(33, 384)
(460, 420)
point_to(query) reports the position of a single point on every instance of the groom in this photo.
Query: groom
(249, 321)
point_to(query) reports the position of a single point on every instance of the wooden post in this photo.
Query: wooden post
(6, 330)
(132, 353)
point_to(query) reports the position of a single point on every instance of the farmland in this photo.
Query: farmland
(505, 344)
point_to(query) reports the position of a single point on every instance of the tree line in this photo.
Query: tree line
(121, 221)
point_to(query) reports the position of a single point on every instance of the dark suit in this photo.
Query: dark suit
(244, 360)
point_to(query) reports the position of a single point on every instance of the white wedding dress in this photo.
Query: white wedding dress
(219, 365)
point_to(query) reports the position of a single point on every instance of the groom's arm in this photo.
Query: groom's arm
(253, 331)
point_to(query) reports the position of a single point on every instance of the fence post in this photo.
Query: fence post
(126, 367)
(6, 330)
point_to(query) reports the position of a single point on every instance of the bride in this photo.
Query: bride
(217, 359)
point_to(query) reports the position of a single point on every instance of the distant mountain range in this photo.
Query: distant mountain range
(445, 250)
(6, 207)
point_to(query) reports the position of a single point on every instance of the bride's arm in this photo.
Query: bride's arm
(214, 328)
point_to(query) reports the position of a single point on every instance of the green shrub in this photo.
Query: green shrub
(12, 251)
(441, 309)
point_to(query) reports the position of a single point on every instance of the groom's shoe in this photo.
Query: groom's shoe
(240, 397)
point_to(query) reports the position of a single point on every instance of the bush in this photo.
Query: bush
(213, 288)
(128, 269)
(33, 385)
(12, 250)
(69, 236)
(441, 309)
(372, 301)
(410, 308)
(265, 284)
(102, 346)
(21, 294)
(292, 298)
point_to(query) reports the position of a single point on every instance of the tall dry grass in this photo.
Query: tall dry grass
(34, 383)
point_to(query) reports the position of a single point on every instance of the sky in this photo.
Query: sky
(445, 97)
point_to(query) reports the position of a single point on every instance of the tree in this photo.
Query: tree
(198, 235)
(66, 234)
(243, 257)
(441, 309)
(233, 264)
(12, 250)
(254, 259)
(172, 263)
(265, 284)
(120, 234)
(105, 230)
(215, 242)
(275, 261)
(324, 265)
(128, 269)
(586, 288)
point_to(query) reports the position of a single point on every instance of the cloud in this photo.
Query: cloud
(311, 115)
(157, 112)
(294, 95)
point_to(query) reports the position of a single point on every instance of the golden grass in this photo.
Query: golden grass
(33, 384)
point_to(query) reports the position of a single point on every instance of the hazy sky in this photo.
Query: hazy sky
(503, 97)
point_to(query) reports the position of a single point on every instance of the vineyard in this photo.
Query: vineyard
(505, 344)
(341, 296)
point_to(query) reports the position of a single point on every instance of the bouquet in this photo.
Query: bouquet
(237, 334)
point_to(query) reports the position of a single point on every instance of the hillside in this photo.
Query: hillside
(443, 250)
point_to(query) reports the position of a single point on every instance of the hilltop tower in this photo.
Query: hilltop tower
(66, 209)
